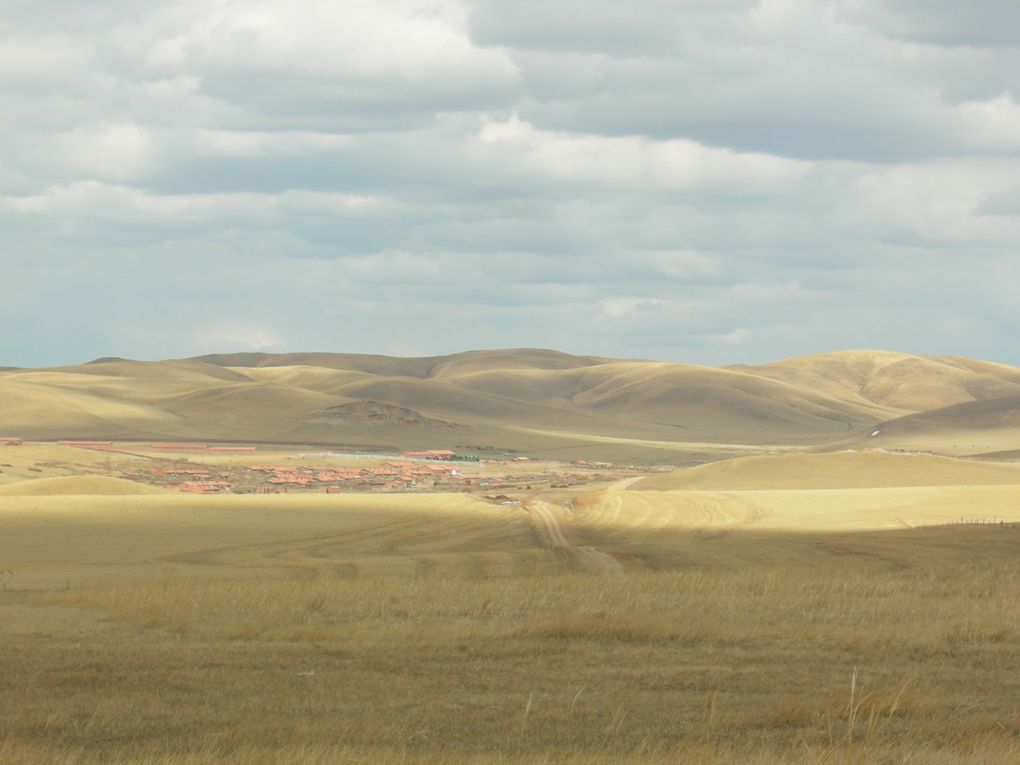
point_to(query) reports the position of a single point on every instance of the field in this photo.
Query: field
(158, 627)
(774, 601)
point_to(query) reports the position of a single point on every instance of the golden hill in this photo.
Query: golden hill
(422, 367)
(896, 382)
(835, 470)
(971, 428)
(537, 402)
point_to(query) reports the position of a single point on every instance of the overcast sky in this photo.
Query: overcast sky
(711, 181)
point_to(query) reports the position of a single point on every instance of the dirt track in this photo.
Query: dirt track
(551, 517)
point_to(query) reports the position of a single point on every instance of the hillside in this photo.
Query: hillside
(84, 485)
(537, 402)
(895, 382)
(984, 427)
(835, 470)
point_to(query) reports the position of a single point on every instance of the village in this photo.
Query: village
(393, 475)
(200, 468)
(432, 470)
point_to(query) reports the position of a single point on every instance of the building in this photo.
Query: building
(430, 454)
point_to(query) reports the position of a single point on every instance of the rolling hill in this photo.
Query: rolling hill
(532, 401)
(895, 382)
(974, 428)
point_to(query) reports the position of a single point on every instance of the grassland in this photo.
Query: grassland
(699, 665)
(443, 628)
(790, 601)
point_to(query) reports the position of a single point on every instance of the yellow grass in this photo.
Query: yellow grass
(668, 446)
(700, 665)
(840, 470)
(953, 439)
(75, 541)
(34, 461)
(819, 608)
(76, 485)
(439, 628)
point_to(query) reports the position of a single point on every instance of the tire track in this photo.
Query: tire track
(591, 558)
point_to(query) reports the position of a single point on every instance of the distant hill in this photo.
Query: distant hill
(534, 401)
(896, 381)
(107, 360)
(420, 367)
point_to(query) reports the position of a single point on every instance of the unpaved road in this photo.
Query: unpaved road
(549, 516)
(550, 522)
(594, 559)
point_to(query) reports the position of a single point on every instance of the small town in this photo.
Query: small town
(271, 479)
(200, 468)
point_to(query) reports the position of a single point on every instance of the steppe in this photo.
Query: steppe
(228, 560)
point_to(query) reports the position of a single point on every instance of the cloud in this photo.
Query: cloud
(801, 79)
(358, 64)
(1005, 202)
(626, 308)
(238, 337)
(944, 22)
(631, 161)
(703, 181)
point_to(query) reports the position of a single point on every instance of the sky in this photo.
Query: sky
(708, 181)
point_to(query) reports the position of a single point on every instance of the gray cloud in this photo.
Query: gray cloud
(1005, 202)
(984, 23)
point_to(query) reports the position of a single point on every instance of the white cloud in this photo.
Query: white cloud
(993, 124)
(91, 200)
(225, 338)
(680, 265)
(42, 64)
(636, 161)
(628, 307)
(117, 151)
(252, 144)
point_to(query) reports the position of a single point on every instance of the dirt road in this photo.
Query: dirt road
(543, 510)
(552, 518)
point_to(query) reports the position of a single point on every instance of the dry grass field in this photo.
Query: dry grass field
(790, 601)
(738, 627)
